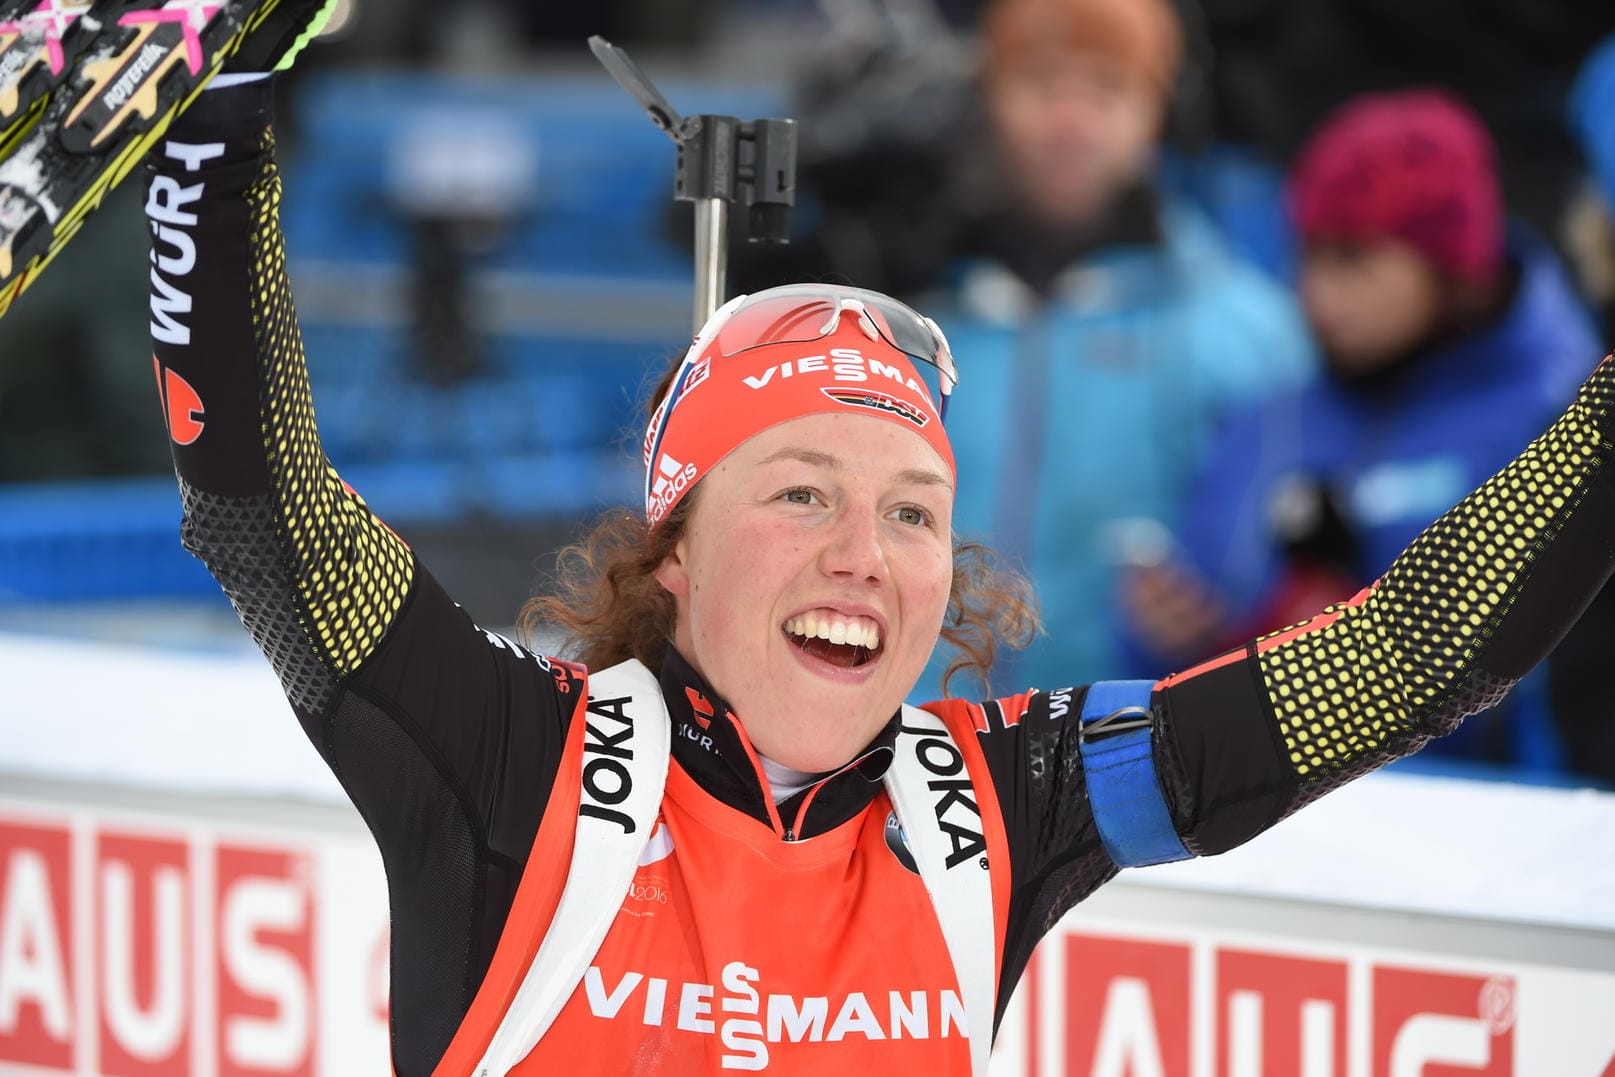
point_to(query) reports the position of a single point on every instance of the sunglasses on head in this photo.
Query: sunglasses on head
(804, 314)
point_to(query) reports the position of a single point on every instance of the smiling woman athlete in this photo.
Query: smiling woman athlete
(718, 840)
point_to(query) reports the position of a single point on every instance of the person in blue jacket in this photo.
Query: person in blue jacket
(1592, 119)
(1109, 329)
(1447, 342)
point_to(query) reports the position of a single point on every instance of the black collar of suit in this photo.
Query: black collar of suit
(711, 749)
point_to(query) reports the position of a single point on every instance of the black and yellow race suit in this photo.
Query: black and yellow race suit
(447, 738)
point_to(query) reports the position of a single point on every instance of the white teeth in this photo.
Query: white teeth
(853, 632)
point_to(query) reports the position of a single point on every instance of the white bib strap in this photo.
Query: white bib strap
(626, 747)
(930, 789)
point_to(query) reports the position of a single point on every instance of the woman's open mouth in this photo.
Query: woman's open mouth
(843, 641)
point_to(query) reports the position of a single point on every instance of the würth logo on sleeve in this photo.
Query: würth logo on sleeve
(171, 213)
(957, 815)
(608, 736)
(182, 405)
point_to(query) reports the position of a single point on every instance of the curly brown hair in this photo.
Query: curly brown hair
(608, 603)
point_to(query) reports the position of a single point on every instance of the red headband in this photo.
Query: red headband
(720, 401)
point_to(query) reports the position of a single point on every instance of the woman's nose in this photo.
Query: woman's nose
(855, 548)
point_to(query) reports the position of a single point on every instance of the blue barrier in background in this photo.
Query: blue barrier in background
(95, 540)
(116, 539)
(602, 175)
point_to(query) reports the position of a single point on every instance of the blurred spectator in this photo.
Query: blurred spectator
(1448, 342)
(1591, 233)
(1282, 65)
(887, 111)
(1101, 330)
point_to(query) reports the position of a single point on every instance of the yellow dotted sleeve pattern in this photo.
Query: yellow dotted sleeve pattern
(1370, 680)
(352, 573)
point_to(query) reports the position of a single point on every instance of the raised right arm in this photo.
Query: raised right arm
(445, 737)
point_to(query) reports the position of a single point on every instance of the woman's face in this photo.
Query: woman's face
(1369, 302)
(836, 526)
(1075, 130)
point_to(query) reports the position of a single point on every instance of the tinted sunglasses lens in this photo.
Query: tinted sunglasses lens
(920, 339)
(804, 313)
(780, 316)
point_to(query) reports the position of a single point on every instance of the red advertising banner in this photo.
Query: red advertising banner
(1127, 1005)
(143, 958)
(36, 946)
(1277, 1013)
(267, 991)
(140, 944)
(200, 955)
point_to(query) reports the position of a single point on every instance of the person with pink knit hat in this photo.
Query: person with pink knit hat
(1397, 202)
(1447, 338)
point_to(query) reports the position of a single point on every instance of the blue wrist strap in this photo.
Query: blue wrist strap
(1119, 763)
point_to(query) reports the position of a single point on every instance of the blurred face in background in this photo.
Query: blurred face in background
(1075, 129)
(1369, 301)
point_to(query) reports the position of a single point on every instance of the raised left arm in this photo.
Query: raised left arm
(1479, 598)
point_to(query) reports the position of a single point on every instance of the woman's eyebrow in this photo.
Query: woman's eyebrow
(812, 457)
(923, 477)
(818, 458)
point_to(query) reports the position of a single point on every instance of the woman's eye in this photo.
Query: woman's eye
(799, 496)
(913, 515)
